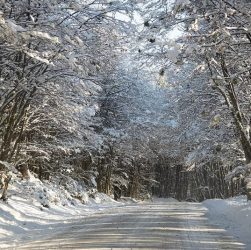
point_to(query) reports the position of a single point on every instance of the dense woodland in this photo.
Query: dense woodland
(134, 98)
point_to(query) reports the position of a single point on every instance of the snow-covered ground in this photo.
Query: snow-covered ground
(234, 214)
(35, 209)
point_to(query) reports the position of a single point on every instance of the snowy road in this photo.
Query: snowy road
(161, 225)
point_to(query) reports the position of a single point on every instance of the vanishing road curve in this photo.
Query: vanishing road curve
(160, 225)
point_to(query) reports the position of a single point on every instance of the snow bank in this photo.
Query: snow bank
(35, 209)
(234, 214)
(128, 200)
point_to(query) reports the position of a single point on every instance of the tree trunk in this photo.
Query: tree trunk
(238, 118)
(108, 179)
(5, 179)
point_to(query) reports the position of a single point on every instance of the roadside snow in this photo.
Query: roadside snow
(234, 214)
(35, 209)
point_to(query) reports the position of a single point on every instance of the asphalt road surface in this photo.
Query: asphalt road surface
(160, 225)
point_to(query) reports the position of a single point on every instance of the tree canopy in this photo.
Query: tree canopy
(144, 97)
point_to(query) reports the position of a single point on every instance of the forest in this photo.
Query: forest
(131, 98)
